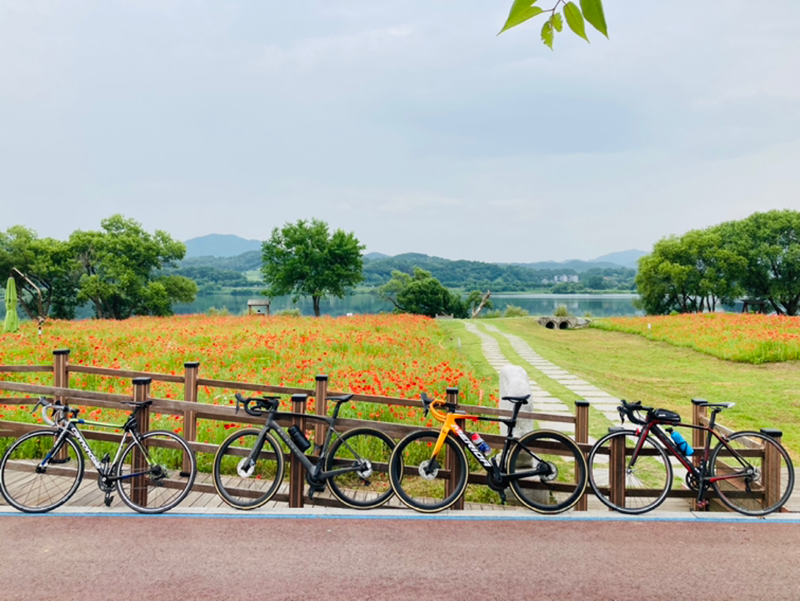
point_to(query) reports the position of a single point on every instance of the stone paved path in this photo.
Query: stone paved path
(540, 398)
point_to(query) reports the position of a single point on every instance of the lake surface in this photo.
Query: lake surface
(536, 304)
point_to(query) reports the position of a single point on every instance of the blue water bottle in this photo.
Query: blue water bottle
(681, 443)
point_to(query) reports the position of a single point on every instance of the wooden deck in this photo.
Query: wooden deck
(90, 495)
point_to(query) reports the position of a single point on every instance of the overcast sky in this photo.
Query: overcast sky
(408, 122)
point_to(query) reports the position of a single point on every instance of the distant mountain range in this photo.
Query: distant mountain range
(229, 245)
(219, 245)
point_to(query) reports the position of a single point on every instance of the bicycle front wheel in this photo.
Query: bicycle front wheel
(245, 486)
(30, 487)
(413, 472)
(757, 473)
(557, 471)
(370, 451)
(627, 488)
(150, 479)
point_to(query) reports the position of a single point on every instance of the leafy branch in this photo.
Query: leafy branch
(576, 17)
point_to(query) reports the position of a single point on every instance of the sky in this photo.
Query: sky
(408, 122)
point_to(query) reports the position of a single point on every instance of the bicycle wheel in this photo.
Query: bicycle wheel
(242, 486)
(370, 450)
(754, 460)
(564, 481)
(29, 488)
(156, 485)
(413, 471)
(645, 485)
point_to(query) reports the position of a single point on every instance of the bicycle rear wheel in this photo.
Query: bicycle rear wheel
(630, 489)
(564, 477)
(371, 450)
(753, 460)
(413, 472)
(242, 486)
(32, 491)
(159, 484)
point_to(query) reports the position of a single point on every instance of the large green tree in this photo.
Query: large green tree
(305, 259)
(769, 244)
(422, 294)
(120, 270)
(49, 284)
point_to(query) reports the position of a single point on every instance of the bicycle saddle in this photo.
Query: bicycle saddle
(523, 400)
(138, 404)
(340, 399)
(718, 405)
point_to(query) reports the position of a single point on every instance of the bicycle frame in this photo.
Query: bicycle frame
(449, 425)
(71, 428)
(699, 472)
(272, 426)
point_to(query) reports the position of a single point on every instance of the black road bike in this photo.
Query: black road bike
(737, 468)
(249, 466)
(44, 468)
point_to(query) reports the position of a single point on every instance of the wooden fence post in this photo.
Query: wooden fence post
(455, 474)
(616, 469)
(582, 437)
(320, 408)
(61, 380)
(141, 392)
(699, 412)
(771, 468)
(296, 470)
(190, 374)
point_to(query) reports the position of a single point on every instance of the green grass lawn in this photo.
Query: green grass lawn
(662, 375)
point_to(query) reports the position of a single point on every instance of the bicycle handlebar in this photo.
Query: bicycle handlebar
(430, 405)
(631, 410)
(57, 409)
(268, 403)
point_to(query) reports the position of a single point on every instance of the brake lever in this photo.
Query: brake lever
(40, 403)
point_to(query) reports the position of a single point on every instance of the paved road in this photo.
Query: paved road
(194, 558)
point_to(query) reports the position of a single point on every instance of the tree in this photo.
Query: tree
(120, 270)
(48, 270)
(769, 244)
(421, 294)
(304, 259)
(576, 17)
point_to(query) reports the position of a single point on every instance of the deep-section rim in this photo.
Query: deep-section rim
(382, 499)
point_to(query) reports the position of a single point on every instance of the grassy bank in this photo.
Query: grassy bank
(661, 374)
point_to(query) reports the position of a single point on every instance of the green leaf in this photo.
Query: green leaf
(575, 19)
(558, 22)
(547, 34)
(593, 12)
(521, 11)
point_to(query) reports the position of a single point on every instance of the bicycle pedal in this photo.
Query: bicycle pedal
(502, 497)
(314, 490)
(108, 500)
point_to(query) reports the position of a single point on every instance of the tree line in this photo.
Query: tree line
(119, 269)
(757, 258)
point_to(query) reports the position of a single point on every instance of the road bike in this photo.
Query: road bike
(737, 469)
(249, 465)
(545, 470)
(43, 469)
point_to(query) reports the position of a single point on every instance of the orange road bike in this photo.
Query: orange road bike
(545, 470)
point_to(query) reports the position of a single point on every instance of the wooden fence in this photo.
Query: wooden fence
(190, 410)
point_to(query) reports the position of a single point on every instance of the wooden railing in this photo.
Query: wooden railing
(191, 411)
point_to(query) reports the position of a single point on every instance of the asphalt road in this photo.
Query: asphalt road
(63, 557)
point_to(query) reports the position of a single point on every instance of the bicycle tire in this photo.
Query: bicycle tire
(565, 482)
(165, 484)
(415, 490)
(55, 483)
(229, 475)
(740, 495)
(373, 446)
(655, 470)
